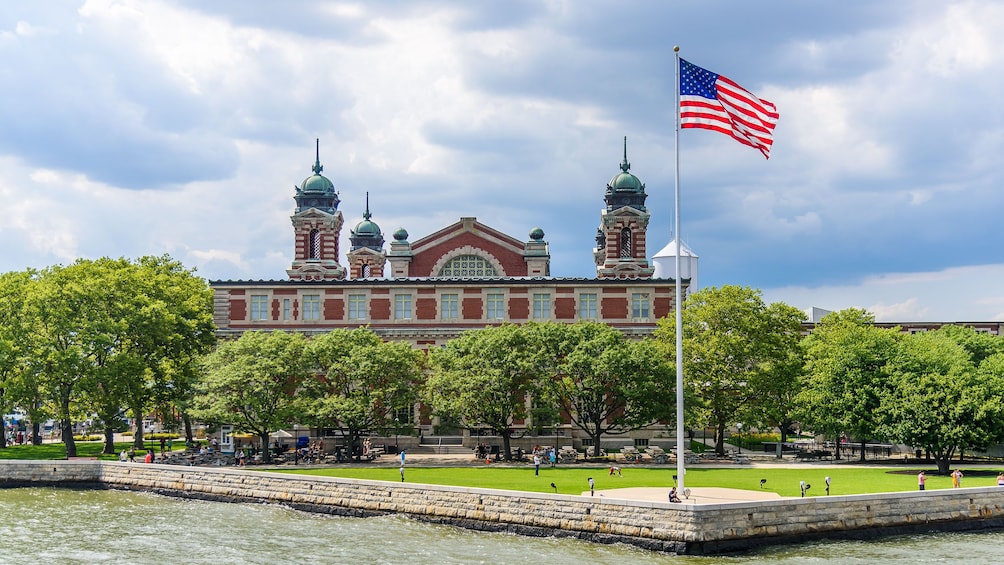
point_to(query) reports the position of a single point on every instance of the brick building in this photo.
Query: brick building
(466, 275)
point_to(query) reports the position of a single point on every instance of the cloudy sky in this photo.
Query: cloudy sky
(142, 127)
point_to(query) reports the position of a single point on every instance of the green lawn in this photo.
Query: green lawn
(573, 480)
(84, 449)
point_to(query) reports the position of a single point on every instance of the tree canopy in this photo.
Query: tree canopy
(941, 399)
(252, 382)
(361, 382)
(847, 376)
(486, 377)
(735, 347)
(605, 383)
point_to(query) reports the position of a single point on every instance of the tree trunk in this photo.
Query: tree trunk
(596, 443)
(507, 444)
(353, 441)
(36, 433)
(66, 426)
(944, 463)
(137, 414)
(266, 453)
(109, 440)
(720, 438)
(862, 450)
(190, 437)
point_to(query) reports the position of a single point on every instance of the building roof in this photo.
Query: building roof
(484, 281)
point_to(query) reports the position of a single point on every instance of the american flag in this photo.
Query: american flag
(710, 101)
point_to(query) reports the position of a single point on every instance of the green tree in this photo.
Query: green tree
(603, 382)
(734, 347)
(68, 336)
(14, 345)
(847, 376)
(774, 396)
(485, 377)
(251, 382)
(941, 400)
(170, 322)
(362, 382)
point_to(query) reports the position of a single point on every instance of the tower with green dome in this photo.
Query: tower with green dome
(621, 238)
(366, 258)
(317, 225)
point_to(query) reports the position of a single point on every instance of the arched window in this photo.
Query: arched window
(315, 245)
(627, 250)
(465, 266)
(365, 272)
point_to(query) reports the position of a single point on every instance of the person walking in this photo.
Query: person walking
(957, 478)
(536, 464)
(921, 480)
(592, 486)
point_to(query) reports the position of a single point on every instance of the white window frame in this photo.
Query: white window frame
(541, 306)
(641, 307)
(402, 306)
(588, 304)
(495, 306)
(259, 307)
(357, 306)
(311, 307)
(449, 306)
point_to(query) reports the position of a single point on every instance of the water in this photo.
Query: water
(46, 525)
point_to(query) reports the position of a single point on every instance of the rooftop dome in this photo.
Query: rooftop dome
(367, 228)
(625, 189)
(317, 183)
(401, 234)
(316, 191)
(366, 233)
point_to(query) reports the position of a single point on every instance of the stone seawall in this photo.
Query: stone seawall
(685, 529)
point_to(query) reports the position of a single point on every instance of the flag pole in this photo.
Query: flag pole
(680, 449)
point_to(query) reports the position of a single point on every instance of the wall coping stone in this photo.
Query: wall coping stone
(661, 526)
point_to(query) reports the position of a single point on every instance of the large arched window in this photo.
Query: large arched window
(464, 266)
(627, 251)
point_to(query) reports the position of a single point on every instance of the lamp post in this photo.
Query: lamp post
(739, 427)
(396, 430)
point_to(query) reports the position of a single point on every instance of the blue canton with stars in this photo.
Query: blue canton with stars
(695, 81)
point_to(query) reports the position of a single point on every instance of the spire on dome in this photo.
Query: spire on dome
(317, 161)
(625, 166)
(366, 214)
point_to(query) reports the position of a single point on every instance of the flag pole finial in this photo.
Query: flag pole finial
(676, 49)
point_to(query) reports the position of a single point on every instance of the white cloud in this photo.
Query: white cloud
(956, 294)
(182, 127)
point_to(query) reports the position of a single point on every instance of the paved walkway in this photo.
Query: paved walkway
(698, 495)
